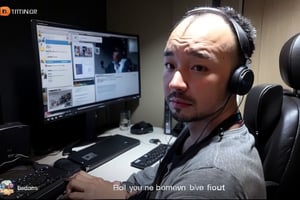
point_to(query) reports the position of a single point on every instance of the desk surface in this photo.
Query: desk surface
(119, 168)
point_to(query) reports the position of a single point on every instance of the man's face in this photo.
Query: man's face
(116, 56)
(199, 57)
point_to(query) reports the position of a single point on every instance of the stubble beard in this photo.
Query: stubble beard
(177, 115)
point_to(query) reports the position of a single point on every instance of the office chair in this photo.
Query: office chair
(272, 115)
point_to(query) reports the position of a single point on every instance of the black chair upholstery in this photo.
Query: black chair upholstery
(289, 62)
(272, 115)
(262, 112)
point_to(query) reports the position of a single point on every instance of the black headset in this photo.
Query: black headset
(242, 77)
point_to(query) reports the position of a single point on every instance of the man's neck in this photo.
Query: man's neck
(201, 129)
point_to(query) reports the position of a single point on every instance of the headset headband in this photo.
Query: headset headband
(238, 31)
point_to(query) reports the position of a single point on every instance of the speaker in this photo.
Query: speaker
(242, 77)
(14, 141)
(167, 119)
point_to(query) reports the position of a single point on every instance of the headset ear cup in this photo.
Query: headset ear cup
(241, 80)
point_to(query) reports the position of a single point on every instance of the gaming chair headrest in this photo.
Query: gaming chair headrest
(289, 62)
(262, 110)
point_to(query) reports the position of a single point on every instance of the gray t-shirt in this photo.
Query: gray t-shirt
(229, 168)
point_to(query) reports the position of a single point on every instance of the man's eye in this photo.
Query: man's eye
(199, 68)
(169, 66)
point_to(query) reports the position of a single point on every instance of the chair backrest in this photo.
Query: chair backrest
(262, 112)
(272, 115)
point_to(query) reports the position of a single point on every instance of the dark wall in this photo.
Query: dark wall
(18, 88)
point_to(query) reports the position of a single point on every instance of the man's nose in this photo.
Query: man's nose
(177, 82)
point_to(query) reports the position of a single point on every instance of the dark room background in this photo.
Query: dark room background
(18, 90)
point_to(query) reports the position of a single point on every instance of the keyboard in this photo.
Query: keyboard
(32, 182)
(103, 151)
(150, 157)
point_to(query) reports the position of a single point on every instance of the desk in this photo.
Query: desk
(119, 168)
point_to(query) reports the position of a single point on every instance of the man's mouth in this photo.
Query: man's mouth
(178, 103)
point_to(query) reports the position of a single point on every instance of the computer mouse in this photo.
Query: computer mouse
(68, 166)
(154, 141)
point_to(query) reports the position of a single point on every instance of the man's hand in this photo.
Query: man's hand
(84, 186)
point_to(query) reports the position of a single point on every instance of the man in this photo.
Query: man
(214, 156)
(119, 63)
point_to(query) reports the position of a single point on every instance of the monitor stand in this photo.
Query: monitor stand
(90, 128)
(89, 132)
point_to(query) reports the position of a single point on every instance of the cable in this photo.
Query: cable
(17, 157)
(221, 109)
(241, 101)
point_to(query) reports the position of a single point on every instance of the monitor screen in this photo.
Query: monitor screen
(80, 70)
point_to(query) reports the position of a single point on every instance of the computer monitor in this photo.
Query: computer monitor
(80, 71)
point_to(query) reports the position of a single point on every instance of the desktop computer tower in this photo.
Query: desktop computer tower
(168, 123)
(167, 120)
